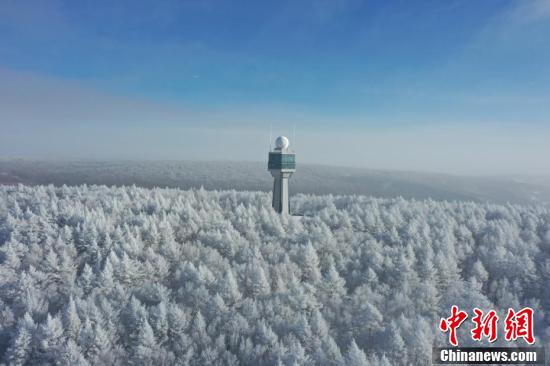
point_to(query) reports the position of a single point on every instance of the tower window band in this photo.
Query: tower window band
(281, 161)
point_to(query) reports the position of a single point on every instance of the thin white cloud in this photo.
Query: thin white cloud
(529, 11)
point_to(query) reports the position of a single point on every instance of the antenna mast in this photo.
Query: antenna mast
(294, 135)
(270, 140)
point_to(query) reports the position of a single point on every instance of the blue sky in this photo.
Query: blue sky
(453, 86)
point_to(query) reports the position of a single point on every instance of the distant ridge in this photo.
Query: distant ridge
(310, 179)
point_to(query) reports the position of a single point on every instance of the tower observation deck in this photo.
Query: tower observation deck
(281, 164)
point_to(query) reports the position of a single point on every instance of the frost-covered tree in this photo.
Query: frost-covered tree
(50, 339)
(309, 264)
(257, 282)
(355, 356)
(71, 320)
(145, 346)
(20, 350)
(228, 288)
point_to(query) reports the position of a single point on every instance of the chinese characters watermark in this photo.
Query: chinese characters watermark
(516, 325)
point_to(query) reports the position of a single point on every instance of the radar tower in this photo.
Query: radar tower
(281, 164)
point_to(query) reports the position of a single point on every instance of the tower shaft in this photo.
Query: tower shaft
(280, 200)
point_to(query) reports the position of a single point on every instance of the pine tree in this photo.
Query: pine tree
(29, 298)
(355, 356)
(332, 354)
(228, 288)
(367, 320)
(146, 345)
(258, 285)
(319, 326)
(216, 307)
(20, 351)
(198, 330)
(309, 264)
(71, 354)
(86, 279)
(51, 338)
(396, 344)
(479, 272)
(71, 320)
(106, 277)
(99, 342)
(296, 354)
(135, 315)
(334, 285)
(159, 322)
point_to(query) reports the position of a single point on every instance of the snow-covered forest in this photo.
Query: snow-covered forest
(100, 276)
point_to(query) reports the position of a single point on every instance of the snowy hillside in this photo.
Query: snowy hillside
(96, 275)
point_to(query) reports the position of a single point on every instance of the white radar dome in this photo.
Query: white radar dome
(282, 142)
